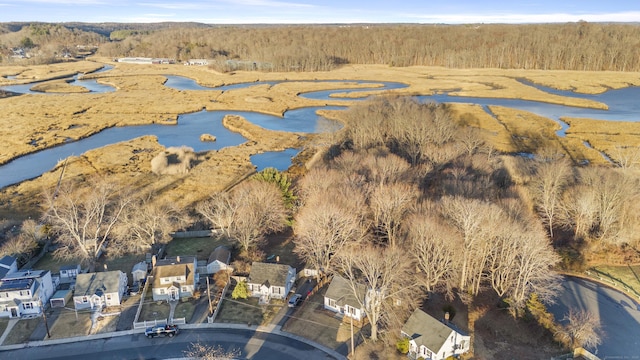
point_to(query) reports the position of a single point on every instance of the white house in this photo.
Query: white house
(8, 265)
(219, 259)
(267, 281)
(68, 273)
(340, 298)
(25, 292)
(432, 339)
(174, 278)
(97, 290)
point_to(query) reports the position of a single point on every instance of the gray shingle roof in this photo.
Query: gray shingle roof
(221, 253)
(426, 330)
(272, 274)
(340, 291)
(97, 283)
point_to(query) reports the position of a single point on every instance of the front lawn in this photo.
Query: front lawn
(154, 311)
(185, 310)
(246, 311)
(22, 331)
(66, 325)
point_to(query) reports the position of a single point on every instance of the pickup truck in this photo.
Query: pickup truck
(161, 330)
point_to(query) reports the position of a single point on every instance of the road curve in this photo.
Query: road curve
(619, 315)
(251, 343)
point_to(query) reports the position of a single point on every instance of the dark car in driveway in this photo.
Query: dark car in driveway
(162, 330)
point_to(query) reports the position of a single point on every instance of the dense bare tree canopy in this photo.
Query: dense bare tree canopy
(252, 210)
(571, 46)
(84, 215)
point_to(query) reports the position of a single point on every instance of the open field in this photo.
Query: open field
(200, 247)
(35, 122)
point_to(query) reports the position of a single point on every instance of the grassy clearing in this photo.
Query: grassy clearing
(281, 246)
(22, 331)
(200, 247)
(313, 322)
(626, 276)
(154, 311)
(246, 311)
(48, 262)
(66, 325)
(123, 263)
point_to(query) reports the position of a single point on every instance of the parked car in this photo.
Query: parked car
(162, 330)
(294, 299)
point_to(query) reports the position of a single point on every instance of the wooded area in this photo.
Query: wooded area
(570, 46)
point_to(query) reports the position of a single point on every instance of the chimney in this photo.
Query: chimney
(153, 261)
(177, 259)
(446, 317)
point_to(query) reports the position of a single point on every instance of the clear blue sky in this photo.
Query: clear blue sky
(321, 11)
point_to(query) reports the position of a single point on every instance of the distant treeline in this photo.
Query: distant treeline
(570, 46)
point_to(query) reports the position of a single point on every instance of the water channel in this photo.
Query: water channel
(623, 106)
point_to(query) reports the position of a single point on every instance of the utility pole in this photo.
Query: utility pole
(44, 316)
(352, 349)
(209, 296)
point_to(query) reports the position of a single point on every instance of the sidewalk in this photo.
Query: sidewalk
(271, 329)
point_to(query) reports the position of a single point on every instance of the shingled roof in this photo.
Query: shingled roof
(341, 291)
(269, 274)
(97, 283)
(426, 330)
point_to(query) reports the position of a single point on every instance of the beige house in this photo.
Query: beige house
(174, 278)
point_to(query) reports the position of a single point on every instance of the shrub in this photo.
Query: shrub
(241, 291)
(403, 345)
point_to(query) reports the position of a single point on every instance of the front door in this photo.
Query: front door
(14, 312)
(174, 294)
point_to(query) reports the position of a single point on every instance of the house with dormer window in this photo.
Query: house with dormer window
(98, 290)
(270, 281)
(25, 292)
(174, 278)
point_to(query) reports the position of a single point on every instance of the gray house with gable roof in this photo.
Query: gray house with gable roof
(340, 298)
(97, 290)
(432, 339)
(267, 281)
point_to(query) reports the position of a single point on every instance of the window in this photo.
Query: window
(184, 289)
(28, 305)
(332, 303)
(108, 296)
(179, 278)
(162, 291)
(85, 299)
(276, 290)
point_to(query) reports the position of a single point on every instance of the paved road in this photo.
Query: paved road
(252, 344)
(619, 316)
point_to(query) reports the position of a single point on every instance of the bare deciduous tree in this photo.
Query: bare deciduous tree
(384, 273)
(252, 210)
(205, 352)
(582, 329)
(323, 230)
(432, 246)
(83, 216)
(149, 222)
(552, 178)
(390, 204)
